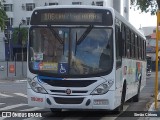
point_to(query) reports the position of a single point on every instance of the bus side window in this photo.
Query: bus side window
(135, 43)
(137, 47)
(132, 45)
(128, 43)
(144, 50)
(124, 39)
(118, 46)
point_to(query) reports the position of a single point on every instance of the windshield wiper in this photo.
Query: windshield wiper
(84, 35)
(76, 45)
(61, 41)
(56, 35)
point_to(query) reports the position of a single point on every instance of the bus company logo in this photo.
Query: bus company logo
(6, 114)
(68, 91)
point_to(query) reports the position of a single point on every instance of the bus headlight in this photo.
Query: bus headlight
(36, 87)
(103, 88)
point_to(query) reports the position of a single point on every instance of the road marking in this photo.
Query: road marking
(152, 108)
(21, 94)
(11, 107)
(108, 118)
(20, 81)
(2, 118)
(23, 80)
(31, 118)
(2, 103)
(32, 109)
(4, 95)
(125, 107)
(37, 108)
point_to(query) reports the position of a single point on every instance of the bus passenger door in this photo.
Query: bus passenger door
(118, 77)
(118, 42)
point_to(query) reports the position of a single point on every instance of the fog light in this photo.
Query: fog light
(101, 102)
(39, 89)
(33, 84)
(99, 90)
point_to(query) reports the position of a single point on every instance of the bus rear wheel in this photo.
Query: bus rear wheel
(136, 97)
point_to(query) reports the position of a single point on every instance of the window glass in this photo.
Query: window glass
(128, 50)
(71, 51)
(124, 40)
(139, 48)
(94, 53)
(132, 45)
(28, 20)
(30, 6)
(138, 54)
(76, 3)
(53, 3)
(8, 7)
(100, 3)
(117, 32)
(144, 49)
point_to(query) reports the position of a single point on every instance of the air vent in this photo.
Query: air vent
(68, 100)
(69, 83)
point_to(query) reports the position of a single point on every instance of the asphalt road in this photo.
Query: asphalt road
(13, 98)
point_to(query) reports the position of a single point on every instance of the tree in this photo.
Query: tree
(146, 5)
(3, 17)
(23, 36)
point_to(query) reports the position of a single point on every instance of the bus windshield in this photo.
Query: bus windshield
(70, 50)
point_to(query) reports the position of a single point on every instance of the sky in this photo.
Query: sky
(138, 19)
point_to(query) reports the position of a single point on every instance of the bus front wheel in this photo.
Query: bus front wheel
(119, 109)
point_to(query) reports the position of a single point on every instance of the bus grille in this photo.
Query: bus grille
(64, 91)
(69, 83)
(68, 100)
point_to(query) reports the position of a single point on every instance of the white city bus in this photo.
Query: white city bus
(84, 57)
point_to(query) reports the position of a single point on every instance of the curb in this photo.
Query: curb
(13, 80)
(152, 107)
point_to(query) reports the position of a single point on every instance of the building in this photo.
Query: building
(151, 41)
(20, 10)
(150, 33)
(2, 46)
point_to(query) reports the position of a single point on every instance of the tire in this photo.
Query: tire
(119, 109)
(55, 110)
(136, 97)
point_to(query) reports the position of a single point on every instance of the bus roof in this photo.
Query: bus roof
(120, 17)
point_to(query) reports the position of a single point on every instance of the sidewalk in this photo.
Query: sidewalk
(152, 107)
(152, 110)
(13, 80)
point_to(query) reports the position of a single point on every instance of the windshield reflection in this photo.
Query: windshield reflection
(71, 51)
(94, 53)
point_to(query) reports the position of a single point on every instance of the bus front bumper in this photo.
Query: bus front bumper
(105, 101)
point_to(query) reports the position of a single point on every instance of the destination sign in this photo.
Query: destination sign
(71, 17)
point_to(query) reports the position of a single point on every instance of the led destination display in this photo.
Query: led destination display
(72, 17)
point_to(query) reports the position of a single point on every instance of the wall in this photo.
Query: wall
(20, 70)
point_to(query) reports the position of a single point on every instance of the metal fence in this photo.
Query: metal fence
(20, 57)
